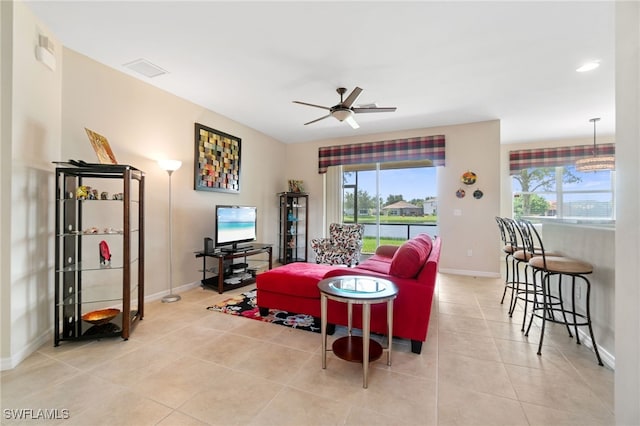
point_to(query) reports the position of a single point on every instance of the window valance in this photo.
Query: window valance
(410, 149)
(553, 157)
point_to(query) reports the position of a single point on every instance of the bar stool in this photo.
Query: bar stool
(525, 291)
(508, 249)
(548, 304)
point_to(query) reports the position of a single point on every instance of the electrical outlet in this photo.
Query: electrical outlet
(469, 252)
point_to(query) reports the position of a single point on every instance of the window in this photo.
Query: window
(395, 201)
(562, 192)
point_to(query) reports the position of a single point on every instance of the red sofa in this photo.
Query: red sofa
(412, 267)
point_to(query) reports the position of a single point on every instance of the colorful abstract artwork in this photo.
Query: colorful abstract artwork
(217, 160)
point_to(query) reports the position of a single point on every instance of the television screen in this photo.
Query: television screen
(235, 224)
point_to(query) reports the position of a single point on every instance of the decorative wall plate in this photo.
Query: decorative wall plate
(469, 178)
(477, 194)
(460, 193)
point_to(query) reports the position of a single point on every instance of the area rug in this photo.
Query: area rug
(245, 305)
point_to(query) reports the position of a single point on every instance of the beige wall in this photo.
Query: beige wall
(475, 147)
(6, 89)
(627, 315)
(144, 124)
(31, 140)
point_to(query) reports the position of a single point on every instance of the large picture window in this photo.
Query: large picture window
(562, 192)
(395, 201)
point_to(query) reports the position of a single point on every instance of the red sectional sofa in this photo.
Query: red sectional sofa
(413, 267)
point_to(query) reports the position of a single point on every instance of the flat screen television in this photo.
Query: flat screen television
(235, 225)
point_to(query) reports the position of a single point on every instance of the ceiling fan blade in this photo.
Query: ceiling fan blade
(318, 119)
(377, 109)
(311, 105)
(353, 96)
(352, 122)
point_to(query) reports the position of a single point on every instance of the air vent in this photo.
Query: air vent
(146, 68)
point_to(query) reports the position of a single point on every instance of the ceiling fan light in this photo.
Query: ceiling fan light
(342, 114)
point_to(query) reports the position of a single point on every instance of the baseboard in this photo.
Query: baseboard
(15, 359)
(181, 289)
(484, 274)
(607, 358)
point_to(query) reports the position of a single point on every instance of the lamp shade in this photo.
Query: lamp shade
(169, 165)
(342, 113)
(596, 163)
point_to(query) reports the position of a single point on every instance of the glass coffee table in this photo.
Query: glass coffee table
(357, 290)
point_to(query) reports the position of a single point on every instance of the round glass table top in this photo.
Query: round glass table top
(358, 287)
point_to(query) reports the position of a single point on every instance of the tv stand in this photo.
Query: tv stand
(226, 276)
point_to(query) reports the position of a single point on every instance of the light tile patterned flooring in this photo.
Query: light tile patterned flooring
(184, 365)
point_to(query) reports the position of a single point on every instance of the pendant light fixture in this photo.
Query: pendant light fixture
(596, 163)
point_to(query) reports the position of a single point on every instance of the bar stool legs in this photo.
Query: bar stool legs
(549, 266)
(570, 316)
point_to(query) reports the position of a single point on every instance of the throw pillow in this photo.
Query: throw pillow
(409, 258)
(426, 239)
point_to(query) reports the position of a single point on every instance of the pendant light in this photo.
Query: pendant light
(596, 163)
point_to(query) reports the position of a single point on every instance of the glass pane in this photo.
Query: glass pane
(593, 205)
(406, 204)
(542, 179)
(349, 178)
(532, 205)
(348, 205)
(589, 181)
(367, 203)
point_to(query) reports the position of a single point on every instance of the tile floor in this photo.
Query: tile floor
(185, 365)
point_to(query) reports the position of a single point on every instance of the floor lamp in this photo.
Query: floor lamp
(170, 166)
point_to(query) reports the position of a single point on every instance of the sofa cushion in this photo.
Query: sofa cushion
(295, 279)
(409, 258)
(376, 264)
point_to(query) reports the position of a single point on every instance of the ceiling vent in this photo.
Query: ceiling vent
(146, 68)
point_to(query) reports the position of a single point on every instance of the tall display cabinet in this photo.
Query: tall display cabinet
(99, 251)
(293, 227)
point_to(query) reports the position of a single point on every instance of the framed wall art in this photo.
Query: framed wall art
(217, 160)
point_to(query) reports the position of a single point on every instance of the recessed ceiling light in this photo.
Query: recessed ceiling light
(588, 66)
(145, 68)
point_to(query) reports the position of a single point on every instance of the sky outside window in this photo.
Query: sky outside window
(415, 183)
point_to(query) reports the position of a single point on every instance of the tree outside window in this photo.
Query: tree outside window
(562, 192)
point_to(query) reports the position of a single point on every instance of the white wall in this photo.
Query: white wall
(473, 146)
(34, 142)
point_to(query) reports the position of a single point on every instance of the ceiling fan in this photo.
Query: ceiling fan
(344, 110)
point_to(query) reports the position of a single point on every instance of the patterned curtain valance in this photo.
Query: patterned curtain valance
(420, 148)
(553, 157)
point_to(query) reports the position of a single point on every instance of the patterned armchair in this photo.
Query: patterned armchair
(343, 246)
